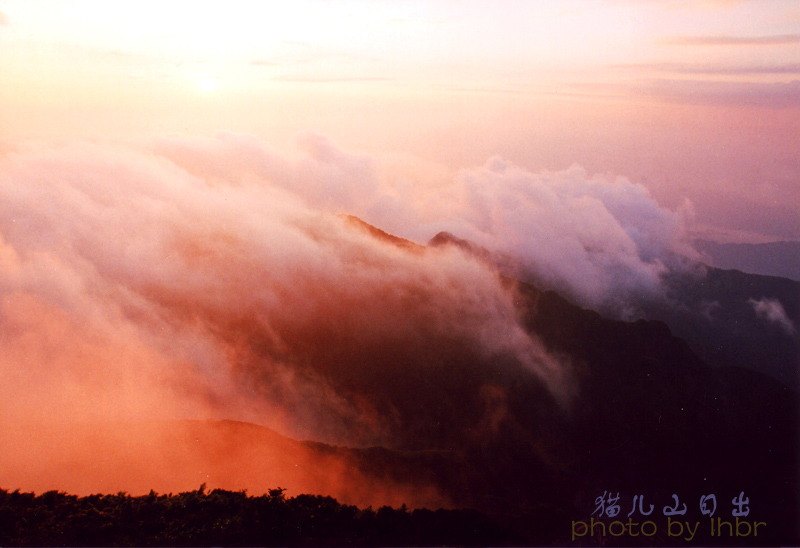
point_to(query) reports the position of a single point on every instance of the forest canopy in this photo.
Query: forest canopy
(231, 518)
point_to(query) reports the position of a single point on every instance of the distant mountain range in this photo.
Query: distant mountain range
(770, 259)
(730, 318)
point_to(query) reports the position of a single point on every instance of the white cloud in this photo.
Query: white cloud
(134, 278)
(772, 310)
(600, 239)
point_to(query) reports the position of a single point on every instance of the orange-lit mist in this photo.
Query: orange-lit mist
(135, 456)
(147, 292)
(138, 295)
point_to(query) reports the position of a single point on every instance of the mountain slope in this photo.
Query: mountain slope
(728, 317)
(650, 417)
(735, 319)
(639, 414)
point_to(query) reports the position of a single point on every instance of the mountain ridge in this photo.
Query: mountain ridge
(781, 259)
(728, 317)
(646, 417)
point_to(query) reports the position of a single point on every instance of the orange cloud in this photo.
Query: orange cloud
(137, 291)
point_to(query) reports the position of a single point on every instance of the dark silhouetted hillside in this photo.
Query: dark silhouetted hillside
(731, 318)
(728, 317)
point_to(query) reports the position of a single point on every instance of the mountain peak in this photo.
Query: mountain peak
(377, 233)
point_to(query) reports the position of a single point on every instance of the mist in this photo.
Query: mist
(134, 290)
(599, 238)
(218, 279)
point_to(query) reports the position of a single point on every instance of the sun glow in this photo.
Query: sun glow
(207, 84)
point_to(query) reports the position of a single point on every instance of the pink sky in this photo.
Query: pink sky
(173, 174)
(695, 100)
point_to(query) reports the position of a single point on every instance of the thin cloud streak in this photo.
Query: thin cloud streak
(687, 68)
(765, 95)
(264, 63)
(778, 39)
(777, 95)
(332, 79)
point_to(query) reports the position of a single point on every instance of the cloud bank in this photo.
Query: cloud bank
(598, 238)
(133, 286)
(217, 278)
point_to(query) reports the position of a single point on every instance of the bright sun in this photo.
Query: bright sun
(207, 84)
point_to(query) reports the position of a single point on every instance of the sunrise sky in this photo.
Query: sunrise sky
(173, 177)
(694, 100)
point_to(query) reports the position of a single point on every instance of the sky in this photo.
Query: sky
(697, 101)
